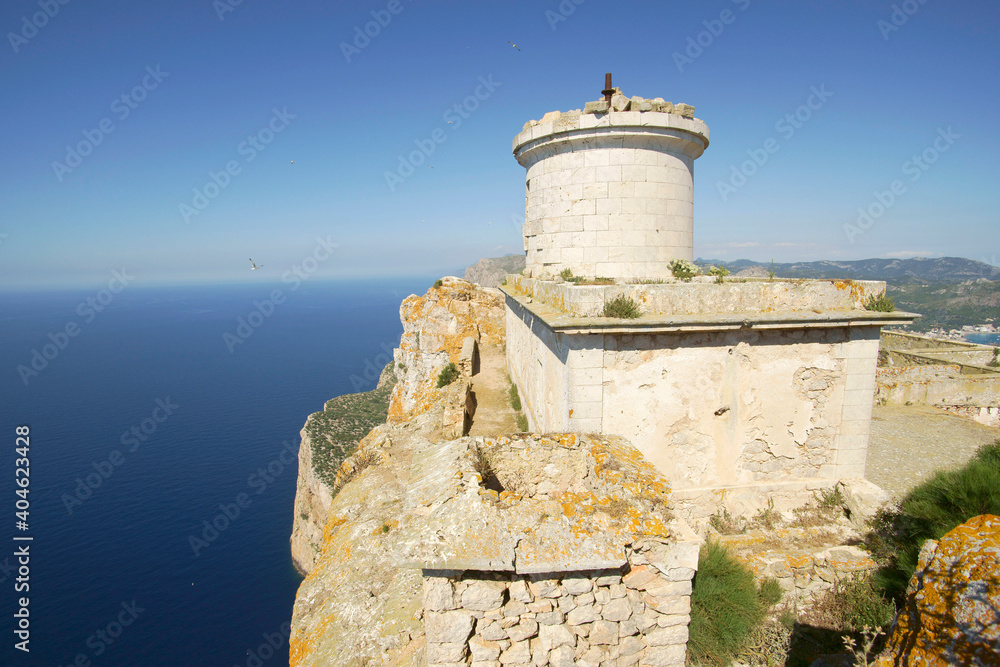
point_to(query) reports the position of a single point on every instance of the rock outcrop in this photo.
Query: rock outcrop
(490, 272)
(328, 437)
(365, 598)
(952, 610)
(435, 327)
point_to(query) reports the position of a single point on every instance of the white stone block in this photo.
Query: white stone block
(596, 158)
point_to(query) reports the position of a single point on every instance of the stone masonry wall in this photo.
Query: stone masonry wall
(610, 194)
(597, 618)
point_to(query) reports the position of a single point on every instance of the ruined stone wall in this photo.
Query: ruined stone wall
(561, 619)
(975, 397)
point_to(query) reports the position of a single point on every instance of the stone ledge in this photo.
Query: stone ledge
(561, 321)
(580, 126)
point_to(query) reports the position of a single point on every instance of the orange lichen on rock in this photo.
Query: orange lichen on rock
(952, 610)
(435, 327)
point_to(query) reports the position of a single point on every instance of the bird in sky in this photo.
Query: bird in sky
(254, 267)
(293, 161)
(514, 45)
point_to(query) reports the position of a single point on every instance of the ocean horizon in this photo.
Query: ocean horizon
(164, 429)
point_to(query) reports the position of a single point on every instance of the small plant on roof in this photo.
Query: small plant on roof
(622, 307)
(720, 272)
(683, 269)
(880, 303)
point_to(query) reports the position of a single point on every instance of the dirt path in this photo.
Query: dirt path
(494, 415)
(908, 443)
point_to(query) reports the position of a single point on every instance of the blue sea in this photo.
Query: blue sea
(163, 441)
(983, 339)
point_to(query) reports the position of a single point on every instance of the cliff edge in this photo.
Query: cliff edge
(328, 438)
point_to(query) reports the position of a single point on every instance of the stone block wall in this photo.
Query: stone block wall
(635, 616)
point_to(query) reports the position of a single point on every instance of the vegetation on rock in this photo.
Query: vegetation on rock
(929, 511)
(345, 420)
(720, 272)
(683, 269)
(447, 375)
(880, 303)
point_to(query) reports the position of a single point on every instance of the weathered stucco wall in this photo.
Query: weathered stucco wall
(739, 408)
(974, 396)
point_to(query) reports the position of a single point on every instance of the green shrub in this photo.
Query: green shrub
(720, 272)
(622, 307)
(995, 361)
(566, 274)
(726, 606)
(770, 271)
(683, 269)
(880, 303)
(515, 399)
(437, 284)
(522, 423)
(929, 511)
(447, 375)
(859, 604)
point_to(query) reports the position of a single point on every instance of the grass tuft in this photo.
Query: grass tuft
(880, 303)
(726, 606)
(622, 307)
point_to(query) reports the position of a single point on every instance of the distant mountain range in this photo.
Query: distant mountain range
(944, 270)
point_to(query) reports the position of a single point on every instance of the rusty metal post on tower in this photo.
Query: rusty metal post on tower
(608, 89)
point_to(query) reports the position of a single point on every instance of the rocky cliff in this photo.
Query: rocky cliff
(489, 272)
(328, 437)
(354, 604)
(435, 328)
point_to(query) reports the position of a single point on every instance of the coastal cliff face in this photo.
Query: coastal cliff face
(355, 604)
(328, 437)
(490, 271)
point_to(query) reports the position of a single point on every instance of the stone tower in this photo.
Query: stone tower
(610, 189)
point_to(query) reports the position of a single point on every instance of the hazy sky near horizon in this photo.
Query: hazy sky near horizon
(177, 139)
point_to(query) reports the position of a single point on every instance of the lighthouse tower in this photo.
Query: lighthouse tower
(610, 188)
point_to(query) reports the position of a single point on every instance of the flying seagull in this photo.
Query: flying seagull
(254, 267)
(514, 45)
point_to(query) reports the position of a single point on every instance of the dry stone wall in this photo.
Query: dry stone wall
(599, 618)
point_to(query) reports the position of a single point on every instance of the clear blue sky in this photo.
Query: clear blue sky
(893, 93)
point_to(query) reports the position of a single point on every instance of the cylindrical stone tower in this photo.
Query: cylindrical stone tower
(610, 189)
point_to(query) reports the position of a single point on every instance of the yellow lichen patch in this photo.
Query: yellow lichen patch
(952, 610)
(300, 647)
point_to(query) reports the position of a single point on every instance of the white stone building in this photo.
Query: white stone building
(742, 392)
